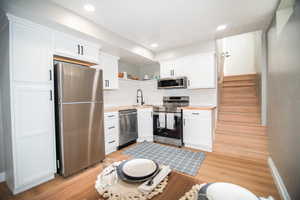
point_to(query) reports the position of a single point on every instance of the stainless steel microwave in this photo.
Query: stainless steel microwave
(172, 83)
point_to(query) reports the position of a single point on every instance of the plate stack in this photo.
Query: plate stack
(137, 170)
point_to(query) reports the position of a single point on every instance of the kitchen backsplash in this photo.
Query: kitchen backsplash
(126, 94)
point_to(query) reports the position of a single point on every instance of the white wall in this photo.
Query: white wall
(126, 95)
(152, 70)
(131, 69)
(199, 47)
(242, 54)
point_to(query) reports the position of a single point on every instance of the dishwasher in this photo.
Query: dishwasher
(128, 130)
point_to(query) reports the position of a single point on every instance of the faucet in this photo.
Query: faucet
(139, 95)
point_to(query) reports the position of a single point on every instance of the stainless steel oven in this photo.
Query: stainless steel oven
(172, 83)
(168, 122)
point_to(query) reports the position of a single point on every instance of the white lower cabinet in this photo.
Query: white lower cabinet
(111, 131)
(198, 129)
(145, 125)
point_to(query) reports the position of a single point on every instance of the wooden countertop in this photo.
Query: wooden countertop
(199, 108)
(118, 108)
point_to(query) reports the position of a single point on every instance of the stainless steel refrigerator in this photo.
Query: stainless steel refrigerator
(79, 117)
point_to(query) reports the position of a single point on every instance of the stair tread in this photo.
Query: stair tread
(244, 124)
(240, 77)
(238, 84)
(253, 134)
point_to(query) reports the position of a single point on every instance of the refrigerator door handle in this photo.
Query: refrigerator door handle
(51, 95)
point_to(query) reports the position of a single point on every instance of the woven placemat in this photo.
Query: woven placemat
(113, 188)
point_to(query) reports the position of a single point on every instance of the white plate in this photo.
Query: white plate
(139, 167)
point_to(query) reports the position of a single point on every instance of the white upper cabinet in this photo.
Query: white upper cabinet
(145, 125)
(200, 69)
(171, 68)
(69, 46)
(90, 51)
(32, 59)
(109, 64)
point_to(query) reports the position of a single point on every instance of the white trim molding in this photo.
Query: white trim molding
(278, 180)
(2, 177)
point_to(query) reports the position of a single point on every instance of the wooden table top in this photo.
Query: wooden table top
(178, 185)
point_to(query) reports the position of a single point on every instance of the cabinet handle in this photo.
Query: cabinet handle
(107, 83)
(50, 75)
(189, 83)
(110, 116)
(183, 122)
(78, 49)
(195, 113)
(111, 127)
(111, 142)
(50, 95)
(81, 50)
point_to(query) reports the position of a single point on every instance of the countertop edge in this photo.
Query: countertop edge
(118, 108)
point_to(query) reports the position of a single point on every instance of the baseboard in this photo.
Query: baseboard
(33, 184)
(2, 177)
(278, 180)
(198, 147)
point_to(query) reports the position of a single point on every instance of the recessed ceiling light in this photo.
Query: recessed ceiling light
(89, 7)
(154, 45)
(221, 27)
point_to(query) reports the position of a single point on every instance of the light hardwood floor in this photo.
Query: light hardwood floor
(250, 174)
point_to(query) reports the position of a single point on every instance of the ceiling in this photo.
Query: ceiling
(174, 23)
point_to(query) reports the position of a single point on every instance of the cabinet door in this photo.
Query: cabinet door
(109, 65)
(167, 69)
(31, 54)
(197, 130)
(145, 125)
(34, 134)
(202, 72)
(65, 45)
(90, 52)
(179, 67)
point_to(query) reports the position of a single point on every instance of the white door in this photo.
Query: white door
(65, 45)
(109, 65)
(145, 125)
(166, 69)
(31, 53)
(240, 54)
(202, 71)
(179, 67)
(34, 133)
(198, 129)
(90, 52)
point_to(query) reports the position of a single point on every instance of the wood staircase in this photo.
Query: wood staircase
(239, 133)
